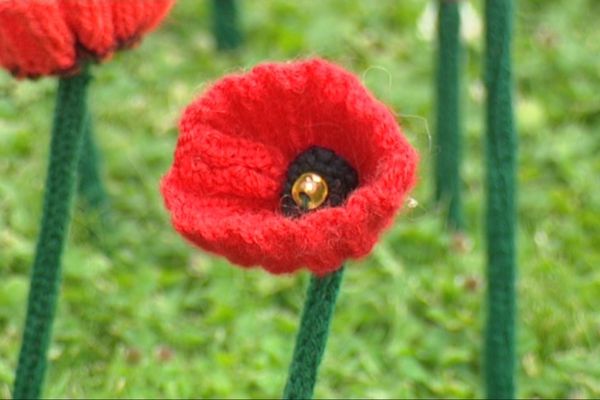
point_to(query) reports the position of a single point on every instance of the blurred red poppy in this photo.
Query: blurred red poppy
(239, 143)
(46, 37)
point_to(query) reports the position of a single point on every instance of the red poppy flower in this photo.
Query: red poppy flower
(45, 37)
(241, 142)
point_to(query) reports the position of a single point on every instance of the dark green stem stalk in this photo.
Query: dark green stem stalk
(225, 25)
(448, 136)
(90, 185)
(312, 335)
(501, 152)
(45, 279)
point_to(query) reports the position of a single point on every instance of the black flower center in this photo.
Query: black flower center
(300, 194)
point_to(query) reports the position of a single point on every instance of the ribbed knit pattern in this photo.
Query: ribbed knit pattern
(224, 190)
(501, 203)
(448, 133)
(44, 37)
(226, 25)
(66, 142)
(312, 335)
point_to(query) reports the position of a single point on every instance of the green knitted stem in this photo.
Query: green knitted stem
(225, 25)
(90, 185)
(64, 150)
(501, 218)
(312, 335)
(448, 137)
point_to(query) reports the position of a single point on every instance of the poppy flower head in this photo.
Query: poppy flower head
(48, 37)
(249, 142)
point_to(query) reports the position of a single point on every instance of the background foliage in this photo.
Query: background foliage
(144, 314)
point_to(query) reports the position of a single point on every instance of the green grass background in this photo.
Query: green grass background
(143, 314)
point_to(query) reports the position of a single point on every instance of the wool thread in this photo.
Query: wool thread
(53, 37)
(236, 142)
(448, 137)
(501, 218)
(65, 146)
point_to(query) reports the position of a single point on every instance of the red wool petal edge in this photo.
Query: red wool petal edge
(49, 37)
(236, 143)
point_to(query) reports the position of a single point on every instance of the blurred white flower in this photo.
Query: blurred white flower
(427, 21)
(411, 202)
(470, 27)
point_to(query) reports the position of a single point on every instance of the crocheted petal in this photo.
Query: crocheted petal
(251, 236)
(7, 52)
(209, 163)
(91, 22)
(293, 106)
(236, 228)
(351, 120)
(133, 18)
(35, 38)
(156, 13)
(333, 110)
(265, 105)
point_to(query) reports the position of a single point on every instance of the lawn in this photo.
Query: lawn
(144, 314)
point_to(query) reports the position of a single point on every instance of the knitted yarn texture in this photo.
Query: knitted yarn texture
(45, 37)
(448, 130)
(501, 214)
(312, 335)
(67, 136)
(236, 143)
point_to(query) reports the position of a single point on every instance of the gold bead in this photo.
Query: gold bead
(310, 191)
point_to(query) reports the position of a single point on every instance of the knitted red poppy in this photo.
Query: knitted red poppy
(45, 37)
(237, 143)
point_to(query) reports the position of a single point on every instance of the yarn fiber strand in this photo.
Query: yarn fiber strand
(312, 335)
(90, 186)
(65, 146)
(448, 135)
(226, 30)
(501, 217)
